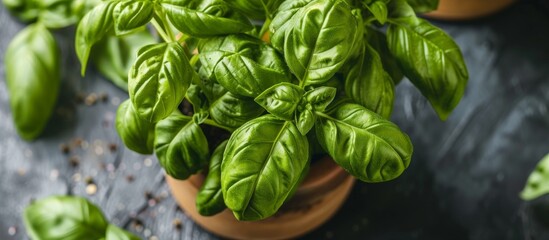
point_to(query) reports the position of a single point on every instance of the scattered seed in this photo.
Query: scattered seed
(98, 150)
(148, 162)
(91, 189)
(115, 101)
(130, 178)
(21, 171)
(113, 147)
(77, 142)
(88, 180)
(91, 99)
(137, 224)
(147, 233)
(153, 238)
(104, 97)
(77, 177)
(64, 148)
(149, 195)
(74, 161)
(80, 97)
(152, 202)
(12, 230)
(177, 224)
(111, 167)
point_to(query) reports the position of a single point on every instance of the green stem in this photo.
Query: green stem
(167, 26)
(194, 59)
(265, 27)
(160, 30)
(213, 123)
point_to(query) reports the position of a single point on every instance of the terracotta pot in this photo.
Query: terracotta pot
(317, 199)
(467, 9)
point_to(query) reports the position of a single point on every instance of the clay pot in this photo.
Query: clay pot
(467, 9)
(317, 199)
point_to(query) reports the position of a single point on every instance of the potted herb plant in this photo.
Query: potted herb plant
(466, 9)
(246, 117)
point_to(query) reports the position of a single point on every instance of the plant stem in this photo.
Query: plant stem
(167, 26)
(213, 123)
(265, 27)
(160, 30)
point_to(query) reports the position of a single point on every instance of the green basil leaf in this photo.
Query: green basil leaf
(203, 18)
(422, 6)
(281, 100)
(263, 162)
(130, 15)
(369, 147)
(113, 56)
(401, 9)
(305, 121)
(322, 37)
(256, 9)
(33, 79)
(242, 64)
(159, 79)
(369, 85)
(431, 60)
(536, 185)
(25, 10)
(320, 97)
(200, 103)
(136, 133)
(282, 21)
(116, 233)
(232, 111)
(181, 146)
(64, 217)
(378, 41)
(92, 28)
(209, 200)
(379, 10)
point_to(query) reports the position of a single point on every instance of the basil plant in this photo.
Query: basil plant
(315, 77)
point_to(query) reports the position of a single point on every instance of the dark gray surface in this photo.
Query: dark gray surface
(463, 182)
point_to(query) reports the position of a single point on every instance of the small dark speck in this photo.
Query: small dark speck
(88, 180)
(74, 161)
(113, 147)
(64, 148)
(177, 224)
(149, 195)
(104, 97)
(130, 178)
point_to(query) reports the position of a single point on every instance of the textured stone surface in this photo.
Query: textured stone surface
(463, 182)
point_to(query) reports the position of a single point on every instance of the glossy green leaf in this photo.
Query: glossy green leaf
(113, 56)
(366, 145)
(263, 162)
(232, 111)
(116, 233)
(378, 41)
(158, 80)
(132, 14)
(25, 10)
(369, 85)
(203, 18)
(537, 184)
(401, 9)
(199, 100)
(320, 97)
(136, 133)
(281, 100)
(50, 13)
(180, 145)
(379, 10)
(33, 79)
(322, 36)
(282, 21)
(422, 6)
(209, 200)
(64, 218)
(431, 60)
(92, 28)
(242, 64)
(256, 9)
(305, 121)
